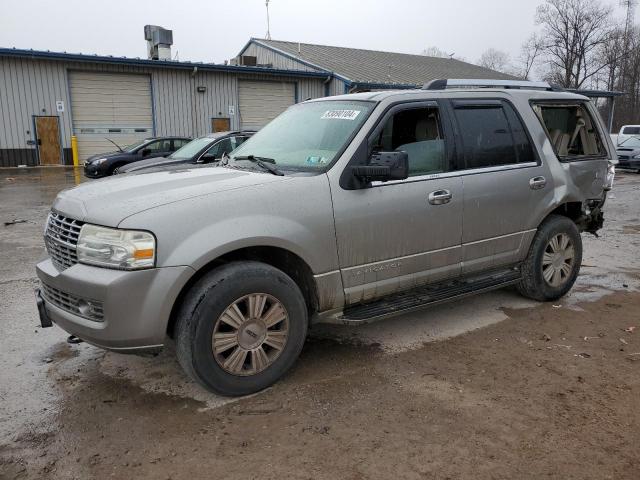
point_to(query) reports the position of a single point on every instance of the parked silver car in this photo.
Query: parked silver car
(345, 209)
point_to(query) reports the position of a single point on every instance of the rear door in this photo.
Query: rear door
(503, 181)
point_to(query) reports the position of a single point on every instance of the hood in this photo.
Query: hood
(628, 150)
(110, 200)
(106, 155)
(152, 162)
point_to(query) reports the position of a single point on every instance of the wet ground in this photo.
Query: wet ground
(492, 387)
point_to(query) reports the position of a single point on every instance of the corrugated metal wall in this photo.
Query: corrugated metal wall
(31, 87)
(28, 88)
(336, 87)
(267, 56)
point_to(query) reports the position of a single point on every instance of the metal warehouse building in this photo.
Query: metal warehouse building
(47, 97)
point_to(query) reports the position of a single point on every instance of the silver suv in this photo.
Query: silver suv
(345, 209)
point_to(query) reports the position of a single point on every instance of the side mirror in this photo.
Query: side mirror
(146, 152)
(207, 158)
(384, 166)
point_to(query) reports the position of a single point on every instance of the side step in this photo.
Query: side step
(426, 296)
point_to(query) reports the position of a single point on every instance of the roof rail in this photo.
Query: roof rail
(444, 83)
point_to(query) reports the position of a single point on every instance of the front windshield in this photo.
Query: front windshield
(307, 136)
(190, 149)
(133, 146)
(631, 142)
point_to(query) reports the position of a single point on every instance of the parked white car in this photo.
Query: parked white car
(628, 131)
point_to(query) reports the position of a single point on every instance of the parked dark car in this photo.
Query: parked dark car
(207, 149)
(629, 154)
(104, 164)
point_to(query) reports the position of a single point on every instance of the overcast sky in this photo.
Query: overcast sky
(215, 30)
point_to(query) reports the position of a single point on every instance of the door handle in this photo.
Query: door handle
(440, 197)
(536, 183)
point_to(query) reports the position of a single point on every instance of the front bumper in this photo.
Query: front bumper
(628, 163)
(93, 171)
(136, 305)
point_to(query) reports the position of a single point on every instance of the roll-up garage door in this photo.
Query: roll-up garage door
(261, 102)
(113, 106)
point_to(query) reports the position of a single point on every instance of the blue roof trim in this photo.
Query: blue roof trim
(293, 57)
(79, 57)
(390, 86)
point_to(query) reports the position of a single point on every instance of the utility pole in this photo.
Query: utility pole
(630, 6)
(268, 36)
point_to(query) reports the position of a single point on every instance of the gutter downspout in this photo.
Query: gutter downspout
(326, 83)
(194, 103)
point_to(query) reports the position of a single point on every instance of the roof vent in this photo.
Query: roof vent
(159, 41)
(248, 60)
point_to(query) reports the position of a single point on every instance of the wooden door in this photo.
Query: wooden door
(48, 139)
(220, 125)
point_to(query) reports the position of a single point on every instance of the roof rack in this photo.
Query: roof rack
(444, 83)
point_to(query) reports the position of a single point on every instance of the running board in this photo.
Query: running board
(426, 296)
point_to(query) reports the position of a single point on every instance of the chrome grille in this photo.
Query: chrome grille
(90, 309)
(61, 238)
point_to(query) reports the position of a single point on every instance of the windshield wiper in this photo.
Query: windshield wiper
(264, 162)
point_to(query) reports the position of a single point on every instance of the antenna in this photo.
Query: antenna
(268, 36)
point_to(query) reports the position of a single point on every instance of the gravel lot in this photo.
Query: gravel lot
(491, 387)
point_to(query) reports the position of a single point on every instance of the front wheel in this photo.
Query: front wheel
(554, 260)
(241, 327)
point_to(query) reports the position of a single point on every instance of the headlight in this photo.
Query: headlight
(636, 156)
(115, 248)
(98, 161)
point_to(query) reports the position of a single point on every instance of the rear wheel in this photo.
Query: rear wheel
(554, 260)
(241, 327)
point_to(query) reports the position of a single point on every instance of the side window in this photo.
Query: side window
(217, 150)
(487, 136)
(159, 146)
(571, 130)
(238, 141)
(418, 132)
(179, 143)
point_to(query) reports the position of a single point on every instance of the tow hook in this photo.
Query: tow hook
(45, 321)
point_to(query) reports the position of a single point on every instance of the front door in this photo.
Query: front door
(48, 140)
(220, 125)
(397, 235)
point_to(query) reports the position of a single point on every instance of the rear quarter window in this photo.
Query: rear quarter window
(571, 130)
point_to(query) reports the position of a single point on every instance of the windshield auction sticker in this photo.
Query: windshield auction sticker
(341, 114)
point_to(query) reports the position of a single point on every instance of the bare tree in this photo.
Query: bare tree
(434, 51)
(495, 60)
(573, 32)
(529, 54)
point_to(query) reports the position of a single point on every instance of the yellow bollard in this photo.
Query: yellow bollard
(77, 173)
(74, 150)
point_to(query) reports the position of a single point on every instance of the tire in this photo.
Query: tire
(219, 363)
(113, 169)
(548, 259)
